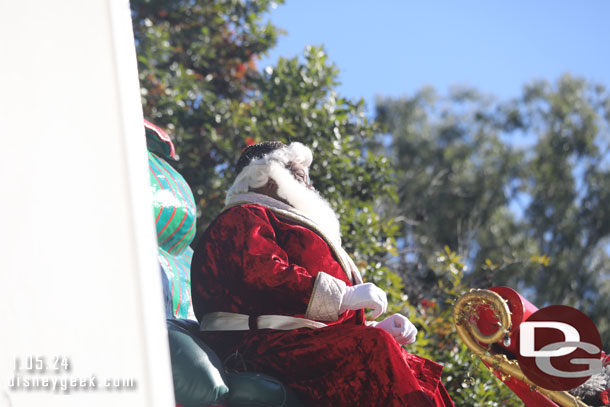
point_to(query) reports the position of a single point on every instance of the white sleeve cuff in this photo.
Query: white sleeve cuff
(371, 323)
(326, 298)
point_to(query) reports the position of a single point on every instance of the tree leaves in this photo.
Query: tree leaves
(519, 188)
(199, 79)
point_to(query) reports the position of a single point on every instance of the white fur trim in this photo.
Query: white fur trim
(307, 201)
(261, 199)
(256, 174)
(356, 277)
(326, 298)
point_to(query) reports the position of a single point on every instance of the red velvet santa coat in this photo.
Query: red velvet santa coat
(252, 261)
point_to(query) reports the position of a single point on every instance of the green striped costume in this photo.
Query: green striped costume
(175, 216)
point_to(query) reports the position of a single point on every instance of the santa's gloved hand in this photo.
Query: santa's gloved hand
(400, 328)
(366, 295)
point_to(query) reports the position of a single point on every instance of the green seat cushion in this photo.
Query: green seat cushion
(198, 374)
(257, 390)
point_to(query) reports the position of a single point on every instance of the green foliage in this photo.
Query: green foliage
(468, 381)
(455, 178)
(520, 183)
(200, 81)
(197, 65)
(568, 183)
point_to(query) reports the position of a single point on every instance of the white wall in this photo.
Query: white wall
(78, 275)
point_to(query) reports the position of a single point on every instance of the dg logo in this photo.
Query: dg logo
(559, 348)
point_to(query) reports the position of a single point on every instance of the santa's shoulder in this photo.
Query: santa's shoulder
(246, 210)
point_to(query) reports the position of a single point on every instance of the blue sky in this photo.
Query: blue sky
(394, 47)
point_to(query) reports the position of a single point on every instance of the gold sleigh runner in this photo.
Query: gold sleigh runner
(465, 315)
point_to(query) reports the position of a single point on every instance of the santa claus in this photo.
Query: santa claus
(274, 290)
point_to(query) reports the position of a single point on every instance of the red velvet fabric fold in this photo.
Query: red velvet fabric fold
(251, 262)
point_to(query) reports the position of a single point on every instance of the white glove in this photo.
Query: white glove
(366, 295)
(403, 331)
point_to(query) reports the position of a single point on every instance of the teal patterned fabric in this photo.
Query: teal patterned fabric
(175, 217)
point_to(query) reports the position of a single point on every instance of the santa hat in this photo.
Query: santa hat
(256, 151)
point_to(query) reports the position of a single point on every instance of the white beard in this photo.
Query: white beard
(308, 201)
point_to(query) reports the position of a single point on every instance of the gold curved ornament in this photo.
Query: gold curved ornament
(464, 312)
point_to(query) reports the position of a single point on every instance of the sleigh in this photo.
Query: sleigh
(488, 322)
